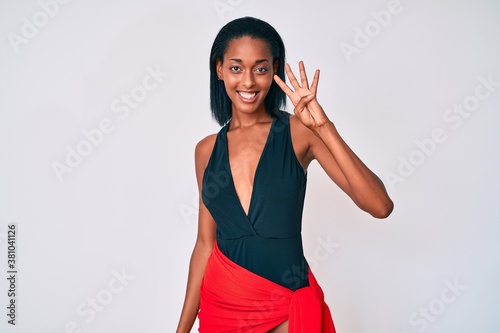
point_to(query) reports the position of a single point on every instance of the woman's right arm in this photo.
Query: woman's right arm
(204, 243)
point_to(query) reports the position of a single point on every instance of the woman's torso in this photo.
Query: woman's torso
(265, 239)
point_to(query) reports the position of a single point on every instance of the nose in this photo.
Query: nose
(248, 79)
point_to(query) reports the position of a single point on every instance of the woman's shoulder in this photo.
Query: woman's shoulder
(298, 128)
(206, 144)
(303, 140)
(204, 148)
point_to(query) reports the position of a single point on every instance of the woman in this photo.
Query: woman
(247, 271)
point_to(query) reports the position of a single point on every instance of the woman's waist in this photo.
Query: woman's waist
(280, 260)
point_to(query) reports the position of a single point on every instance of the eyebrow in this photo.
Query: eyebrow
(256, 61)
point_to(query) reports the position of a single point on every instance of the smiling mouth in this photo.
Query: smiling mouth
(248, 96)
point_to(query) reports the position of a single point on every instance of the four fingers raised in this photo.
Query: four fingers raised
(304, 83)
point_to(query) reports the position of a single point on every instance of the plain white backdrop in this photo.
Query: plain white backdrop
(102, 103)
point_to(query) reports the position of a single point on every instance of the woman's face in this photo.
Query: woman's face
(247, 71)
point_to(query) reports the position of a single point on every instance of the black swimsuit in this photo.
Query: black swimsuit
(268, 240)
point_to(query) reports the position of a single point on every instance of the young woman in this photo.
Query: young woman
(247, 271)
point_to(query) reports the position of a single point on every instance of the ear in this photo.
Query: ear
(218, 66)
(275, 66)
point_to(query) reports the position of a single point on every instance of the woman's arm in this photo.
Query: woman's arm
(203, 246)
(326, 145)
(347, 170)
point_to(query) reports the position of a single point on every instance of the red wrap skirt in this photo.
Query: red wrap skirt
(233, 299)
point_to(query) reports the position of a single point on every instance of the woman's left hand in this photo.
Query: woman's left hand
(303, 97)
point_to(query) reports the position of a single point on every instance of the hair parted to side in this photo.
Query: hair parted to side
(253, 28)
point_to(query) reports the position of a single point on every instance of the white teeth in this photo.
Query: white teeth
(247, 95)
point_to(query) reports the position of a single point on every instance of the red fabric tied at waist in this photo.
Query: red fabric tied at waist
(233, 299)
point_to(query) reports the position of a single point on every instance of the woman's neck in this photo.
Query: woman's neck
(242, 119)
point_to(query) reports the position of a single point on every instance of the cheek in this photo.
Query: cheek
(265, 81)
(230, 81)
(268, 86)
(228, 84)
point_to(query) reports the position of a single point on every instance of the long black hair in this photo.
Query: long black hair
(256, 29)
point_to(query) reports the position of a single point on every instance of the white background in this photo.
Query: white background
(129, 206)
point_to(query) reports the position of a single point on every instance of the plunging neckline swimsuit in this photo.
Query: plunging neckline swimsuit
(267, 241)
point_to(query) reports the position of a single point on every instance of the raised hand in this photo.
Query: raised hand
(303, 97)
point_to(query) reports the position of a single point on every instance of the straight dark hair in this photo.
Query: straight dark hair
(256, 29)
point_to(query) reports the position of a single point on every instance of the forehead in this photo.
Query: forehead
(248, 48)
